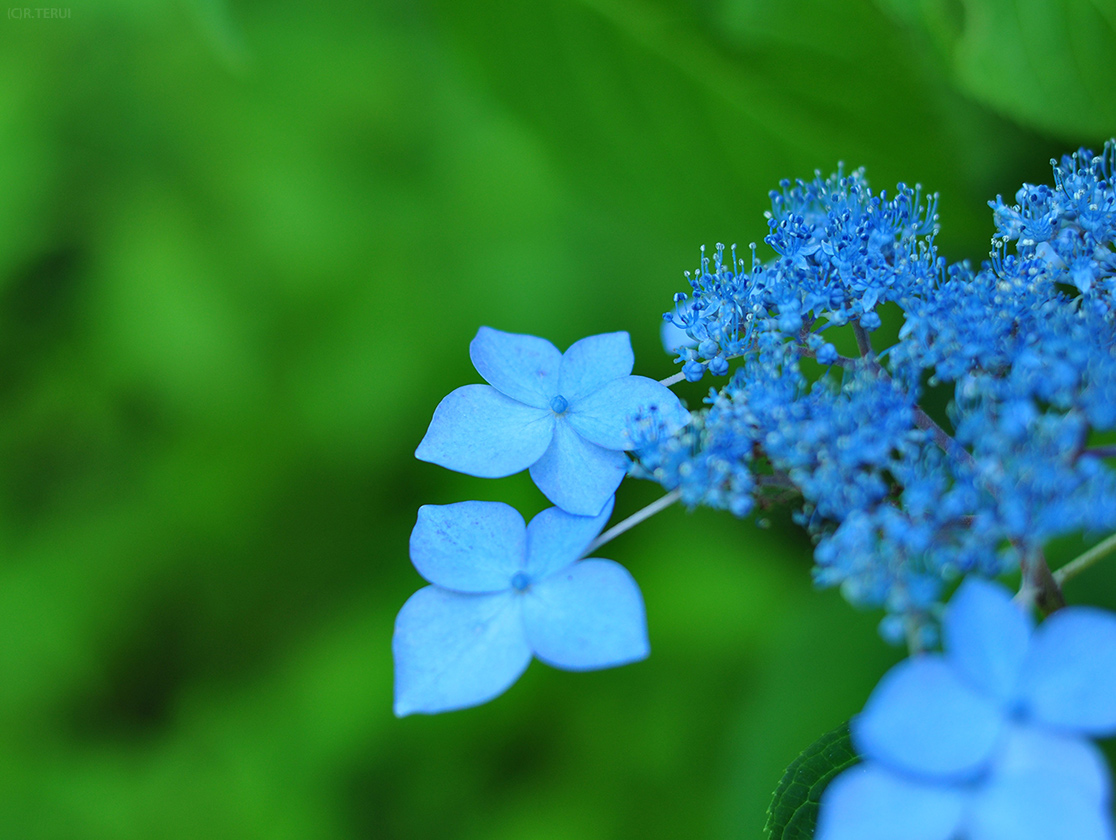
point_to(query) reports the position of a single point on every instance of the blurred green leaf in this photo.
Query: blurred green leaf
(1048, 64)
(794, 807)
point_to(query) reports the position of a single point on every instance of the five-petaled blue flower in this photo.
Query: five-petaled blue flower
(986, 741)
(564, 416)
(503, 592)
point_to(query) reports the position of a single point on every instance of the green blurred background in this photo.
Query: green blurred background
(243, 248)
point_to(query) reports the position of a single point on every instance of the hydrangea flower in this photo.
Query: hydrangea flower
(563, 416)
(987, 741)
(841, 251)
(502, 593)
(1071, 228)
(900, 505)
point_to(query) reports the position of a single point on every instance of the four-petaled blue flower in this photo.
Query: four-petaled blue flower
(503, 592)
(564, 416)
(986, 741)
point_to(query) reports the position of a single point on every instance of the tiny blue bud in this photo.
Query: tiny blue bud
(870, 321)
(558, 404)
(693, 371)
(520, 581)
(790, 322)
(718, 366)
(827, 354)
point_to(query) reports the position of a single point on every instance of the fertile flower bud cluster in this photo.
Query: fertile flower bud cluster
(842, 251)
(898, 506)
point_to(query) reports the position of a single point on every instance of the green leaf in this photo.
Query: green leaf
(691, 110)
(793, 813)
(1046, 65)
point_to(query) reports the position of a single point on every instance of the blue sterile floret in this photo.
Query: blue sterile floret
(502, 593)
(990, 739)
(562, 416)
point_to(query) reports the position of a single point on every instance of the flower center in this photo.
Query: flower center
(559, 404)
(520, 581)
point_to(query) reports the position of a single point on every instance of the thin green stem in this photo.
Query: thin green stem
(678, 377)
(633, 520)
(941, 437)
(914, 637)
(842, 361)
(923, 420)
(1084, 561)
(1039, 585)
(863, 342)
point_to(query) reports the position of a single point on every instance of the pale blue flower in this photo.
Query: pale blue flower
(502, 593)
(563, 416)
(986, 741)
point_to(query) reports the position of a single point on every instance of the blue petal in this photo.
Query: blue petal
(603, 416)
(478, 431)
(867, 802)
(592, 362)
(589, 615)
(1030, 808)
(924, 720)
(555, 539)
(453, 651)
(1032, 749)
(986, 637)
(469, 546)
(1069, 678)
(1044, 787)
(523, 367)
(578, 476)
